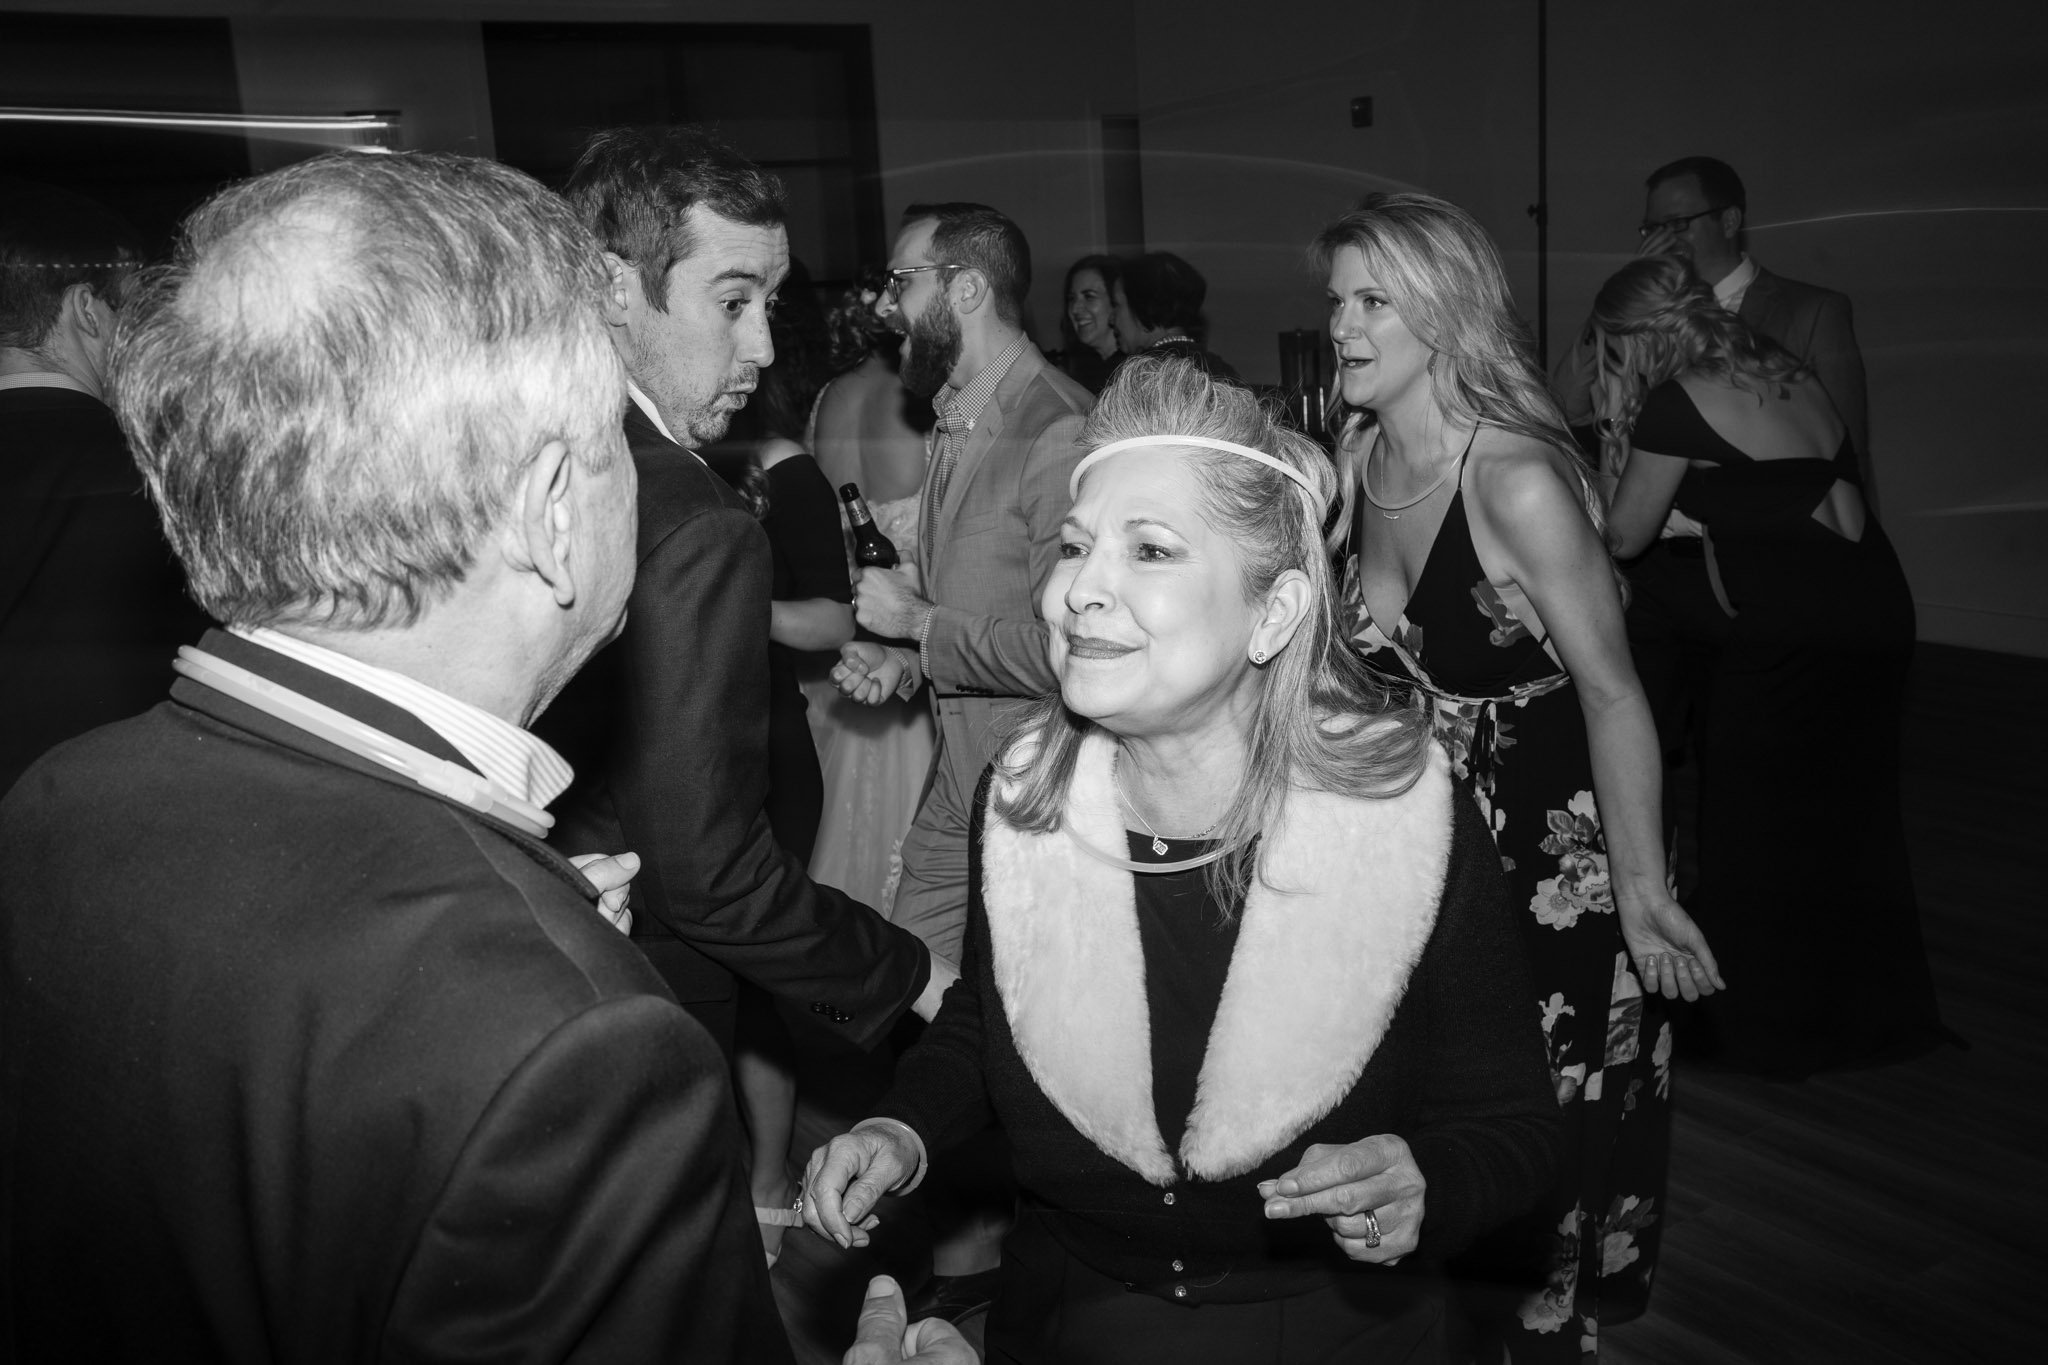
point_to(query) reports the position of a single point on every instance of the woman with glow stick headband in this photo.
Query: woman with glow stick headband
(1219, 794)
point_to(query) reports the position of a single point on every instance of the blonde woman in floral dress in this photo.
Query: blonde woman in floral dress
(1477, 574)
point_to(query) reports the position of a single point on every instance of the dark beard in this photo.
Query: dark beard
(934, 349)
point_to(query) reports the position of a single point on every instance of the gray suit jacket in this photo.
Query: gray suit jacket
(1815, 324)
(996, 541)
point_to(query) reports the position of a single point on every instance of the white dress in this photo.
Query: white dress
(874, 758)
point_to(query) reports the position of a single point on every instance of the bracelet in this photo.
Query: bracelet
(899, 1126)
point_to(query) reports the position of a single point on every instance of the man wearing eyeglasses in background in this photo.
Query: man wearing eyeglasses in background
(1697, 209)
(995, 493)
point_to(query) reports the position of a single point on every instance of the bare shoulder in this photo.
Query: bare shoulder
(776, 449)
(1512, 477)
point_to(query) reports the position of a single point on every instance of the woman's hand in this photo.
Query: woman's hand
(1374, 1176)
(846, 1177)
(1670, 952)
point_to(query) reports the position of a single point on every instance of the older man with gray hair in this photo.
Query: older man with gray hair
(312, 1048)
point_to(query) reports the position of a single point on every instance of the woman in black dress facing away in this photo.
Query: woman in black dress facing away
(1239, 983)
(1477, 575)
(1803, 878)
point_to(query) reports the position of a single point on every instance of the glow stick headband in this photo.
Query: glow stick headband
(1205, 442)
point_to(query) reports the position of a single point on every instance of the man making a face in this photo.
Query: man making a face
(669, 726)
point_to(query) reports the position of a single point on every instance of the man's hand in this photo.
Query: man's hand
(1662, 242)
(884, 1339)
(1342, 1185)
(872, 673)
(612, 875)
(888, 602)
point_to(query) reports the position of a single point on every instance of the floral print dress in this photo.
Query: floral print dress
(1509, 716)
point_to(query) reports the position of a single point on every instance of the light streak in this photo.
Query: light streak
(268, 123)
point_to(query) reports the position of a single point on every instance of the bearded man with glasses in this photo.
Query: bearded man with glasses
(996, 490)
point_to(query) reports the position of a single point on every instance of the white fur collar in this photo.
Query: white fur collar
(1318, 969)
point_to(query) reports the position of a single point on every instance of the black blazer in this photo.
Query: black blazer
(304, 1063)
(92, 606)
(668, 731)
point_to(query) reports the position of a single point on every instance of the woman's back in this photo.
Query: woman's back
(1764, 423)
(863, 433)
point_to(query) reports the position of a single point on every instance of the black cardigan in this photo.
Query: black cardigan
(1460, 1074)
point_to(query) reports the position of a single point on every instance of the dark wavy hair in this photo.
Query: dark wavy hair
(1164, 291)
(634, 188)
(1108, 267)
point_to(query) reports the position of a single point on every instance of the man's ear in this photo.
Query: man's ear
(970, 291)
(88, 315)
(621, 284)
(1731, 222)
(541, 541)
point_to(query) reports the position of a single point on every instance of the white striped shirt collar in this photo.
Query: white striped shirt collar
(519, 763)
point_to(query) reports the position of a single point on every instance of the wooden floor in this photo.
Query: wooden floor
(1891, 1215)
(1897, 1214)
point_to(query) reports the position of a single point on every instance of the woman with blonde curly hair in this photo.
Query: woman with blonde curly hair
(1803, 879)
(1239, 982)
(1478, 576)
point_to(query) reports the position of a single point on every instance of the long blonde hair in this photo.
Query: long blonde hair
(1320, 720)
(1443, 276)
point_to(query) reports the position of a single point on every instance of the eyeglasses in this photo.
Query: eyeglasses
(900, 275)
(1678, 224)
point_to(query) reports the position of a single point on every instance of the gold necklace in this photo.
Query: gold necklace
(1392, 510)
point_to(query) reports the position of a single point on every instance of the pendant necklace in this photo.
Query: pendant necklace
(1158, 844)
(1392, 510)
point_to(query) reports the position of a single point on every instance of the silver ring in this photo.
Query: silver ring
(798, 1210)
(1372, 1229)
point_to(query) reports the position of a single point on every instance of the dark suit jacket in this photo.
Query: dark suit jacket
(304, 1063)
(1816, 325)
(92, 606)
(668, 730)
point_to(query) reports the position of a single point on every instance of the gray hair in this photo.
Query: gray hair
(334, 388)
(1322, 720)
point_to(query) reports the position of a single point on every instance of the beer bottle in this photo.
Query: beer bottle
(870, 546)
